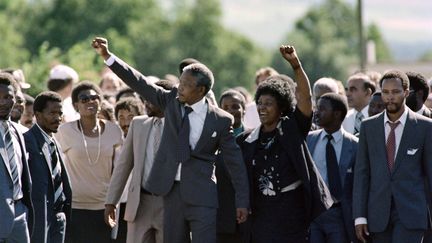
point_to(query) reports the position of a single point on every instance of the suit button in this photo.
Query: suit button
(11, 202)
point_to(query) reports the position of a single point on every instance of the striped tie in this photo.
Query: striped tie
(12, 161)
(59, 196)
(357, 123)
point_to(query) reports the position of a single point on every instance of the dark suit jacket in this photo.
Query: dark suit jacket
(346, 166)
(43, 185)
(375, 186)
(198, 183)
(7, 208)
(292, 135)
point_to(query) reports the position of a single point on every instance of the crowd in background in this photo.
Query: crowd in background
(90, 156)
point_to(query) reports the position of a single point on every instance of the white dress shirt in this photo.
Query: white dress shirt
(349, 121)
(320, 151)
(196, 121)
(398, 135)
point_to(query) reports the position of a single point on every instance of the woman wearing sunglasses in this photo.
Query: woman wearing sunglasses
(89, 145)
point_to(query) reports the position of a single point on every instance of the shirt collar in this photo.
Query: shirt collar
(402, 118)
(337, 136)
(364, 111)
(199, 106)
(46, 135)
(422, 109)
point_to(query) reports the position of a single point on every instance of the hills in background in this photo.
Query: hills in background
(405, 25)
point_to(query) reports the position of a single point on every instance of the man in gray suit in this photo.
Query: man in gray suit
(16, 211)
(183, 170)
(336, 224)
(394, 161)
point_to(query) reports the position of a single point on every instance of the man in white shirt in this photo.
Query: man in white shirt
(183, 170)
(359, 91)
(394, 161)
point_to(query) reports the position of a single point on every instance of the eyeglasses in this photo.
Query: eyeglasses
(86, 98)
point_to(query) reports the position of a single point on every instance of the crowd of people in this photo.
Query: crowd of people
(142, 159)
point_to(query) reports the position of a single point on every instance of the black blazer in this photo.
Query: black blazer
(293, 131)
(43, 187)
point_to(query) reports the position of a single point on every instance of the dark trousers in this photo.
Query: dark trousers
(183, 221)
(88, 226)
(20, 232)
(329, 227)
(396, 232)
(229, 237)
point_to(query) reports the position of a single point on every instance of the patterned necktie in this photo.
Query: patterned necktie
(59, 196)
(333, 176)
(157, 135)
(391, 144)
(183, 136)
(12, 160)
(358, 119)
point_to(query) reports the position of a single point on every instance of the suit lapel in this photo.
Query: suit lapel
(313, 141)
(143, 129)
(345, 157)
(44, 147)
(4, 156)
(208, 127)
(408, 135)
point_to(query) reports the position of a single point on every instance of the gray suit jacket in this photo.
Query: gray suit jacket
(7, 207)
(198, 183)
(346, 169)
(375, 186)
(131, 159)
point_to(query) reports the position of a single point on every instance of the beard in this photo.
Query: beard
(393, 107)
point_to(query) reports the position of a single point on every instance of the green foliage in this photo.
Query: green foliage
(426, 57)
(326, 38)
(382, 51)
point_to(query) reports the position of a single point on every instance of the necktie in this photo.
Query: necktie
(12, 161)
(59, 196)
(333, 176)
(183, 136)
(358, 119)
(391, 144)
(157, 135)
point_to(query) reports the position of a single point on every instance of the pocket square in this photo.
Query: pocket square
(349, 170)
(411, 151)
(214, 134)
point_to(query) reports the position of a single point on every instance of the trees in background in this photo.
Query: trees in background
(38, 34)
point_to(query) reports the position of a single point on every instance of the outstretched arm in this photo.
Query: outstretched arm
(134, 79)
(303, 91)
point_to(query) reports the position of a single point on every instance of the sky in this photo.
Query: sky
(406, 25)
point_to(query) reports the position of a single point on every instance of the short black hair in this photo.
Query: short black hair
(7, 79)
(130, 104)
(43, 98)
(396, 74)
(123, 92)
(233, 93)
(418, 82)
(282, 88)
(58, 84)
(378, 93)
(338, 103)
(84, 85)
(204, 76)
(107, 110)
(186, 62)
